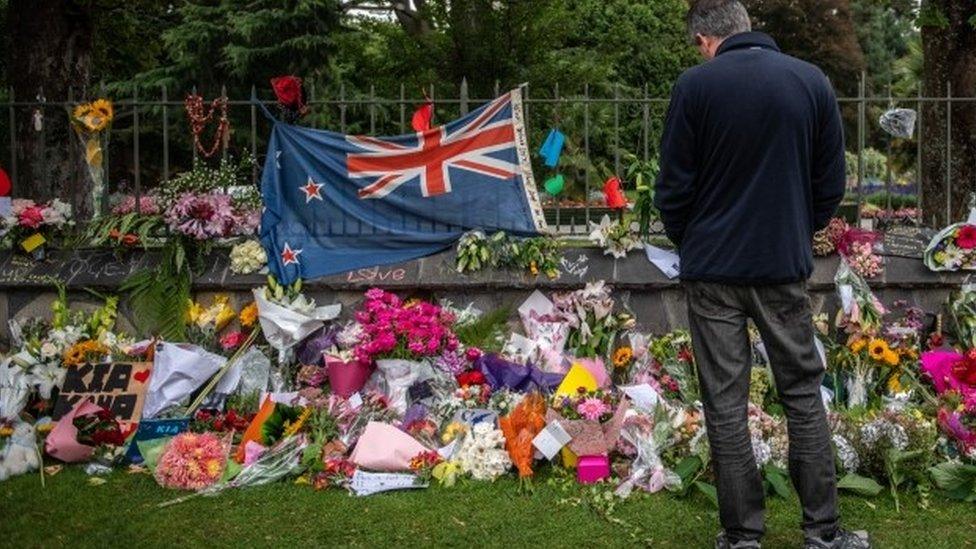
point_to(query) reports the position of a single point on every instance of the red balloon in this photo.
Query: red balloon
(4, 183)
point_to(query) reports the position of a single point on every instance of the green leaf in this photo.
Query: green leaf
(859, 485)
(708, 490)
(957, 480)
(778, 479)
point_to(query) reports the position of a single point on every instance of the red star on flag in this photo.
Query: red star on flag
(311, 190)
(289, 256)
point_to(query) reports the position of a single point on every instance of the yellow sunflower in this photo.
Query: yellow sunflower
(878, 349)
(857, 345)
(81, 112)
(99, 115)
(622, 357)
(891, 358)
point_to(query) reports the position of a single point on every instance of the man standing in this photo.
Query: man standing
(752, 164)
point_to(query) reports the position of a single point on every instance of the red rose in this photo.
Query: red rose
(966, 237)
(288, 90)
(965, 369)
(471, 377)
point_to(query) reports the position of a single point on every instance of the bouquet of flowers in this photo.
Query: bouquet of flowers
(520, 428)
(392, 328)
(206, 203)
(589, 314)
(247, 257)
(614, 237)
(857, 247)
(873, 366)
(592, 418)
(29, 224)
(953, 248)
(192, 461)
(860, 311)
(91, 122)
(481, 453)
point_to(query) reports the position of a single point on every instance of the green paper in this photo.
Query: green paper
(555, 184)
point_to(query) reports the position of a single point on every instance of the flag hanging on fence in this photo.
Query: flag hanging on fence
(336, 202)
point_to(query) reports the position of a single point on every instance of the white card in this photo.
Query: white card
(537, 303)
(367, 484)
(666, 261)
(643, 395)
(551, 439)
(355, 400)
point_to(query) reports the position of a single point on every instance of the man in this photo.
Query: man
(752, 164)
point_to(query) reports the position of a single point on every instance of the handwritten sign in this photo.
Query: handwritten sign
(119, 387)
(907, 242)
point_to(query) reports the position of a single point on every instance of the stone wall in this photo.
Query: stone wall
(27, 289)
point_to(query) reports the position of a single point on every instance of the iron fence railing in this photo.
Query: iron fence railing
(607, 126)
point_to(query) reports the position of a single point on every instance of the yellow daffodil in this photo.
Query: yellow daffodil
(225, 315)
(193, 312)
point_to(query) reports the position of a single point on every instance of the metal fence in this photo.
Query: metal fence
(608, 127)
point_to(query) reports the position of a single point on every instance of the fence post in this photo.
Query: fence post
(646, 123)
(137, 179)
(194, 92)
(463, 96)
(861, 108)
(225, 138)
(342, 107)
(919, 187)
(165, 135)
(311, 101)
(254, 135)
(948, 176)
(372, 109)
(403, 109)
(586, 151)
(616, 129)
(12, 120)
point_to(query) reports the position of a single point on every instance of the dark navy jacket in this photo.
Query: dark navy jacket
(752, 164)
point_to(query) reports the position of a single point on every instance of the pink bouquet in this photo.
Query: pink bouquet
(408, 330)
(192, 461)
(210, 215)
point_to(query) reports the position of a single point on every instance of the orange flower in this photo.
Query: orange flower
(84, 351)
(249, 315)
(520, 427)
(622, 357)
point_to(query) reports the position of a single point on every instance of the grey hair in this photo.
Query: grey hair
(718, 18)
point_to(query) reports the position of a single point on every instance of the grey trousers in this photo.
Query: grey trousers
(717, 314)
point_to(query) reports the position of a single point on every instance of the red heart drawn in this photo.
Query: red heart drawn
(142, 376)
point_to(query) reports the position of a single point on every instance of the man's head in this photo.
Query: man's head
(710, 22)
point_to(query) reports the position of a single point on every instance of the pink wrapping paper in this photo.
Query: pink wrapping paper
(592, 469)
(62, 441)
(383, 447)
(591, 437)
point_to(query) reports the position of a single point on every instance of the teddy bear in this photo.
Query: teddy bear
(19, 455)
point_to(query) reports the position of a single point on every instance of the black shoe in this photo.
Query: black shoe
(722, 542)
(843, 539)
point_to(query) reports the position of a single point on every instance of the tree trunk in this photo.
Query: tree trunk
(49, 51)
(949, 41)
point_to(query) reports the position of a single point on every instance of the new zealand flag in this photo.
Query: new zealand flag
(335, 202)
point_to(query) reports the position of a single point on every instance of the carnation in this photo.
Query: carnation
(192, 461)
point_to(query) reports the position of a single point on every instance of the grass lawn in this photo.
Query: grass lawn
(122, 512)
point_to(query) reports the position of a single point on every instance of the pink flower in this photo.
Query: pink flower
(31, 217)
(147, 205)
(592, 408)
(202, 216)
(472, 354)
(192, 461)
(232, 340)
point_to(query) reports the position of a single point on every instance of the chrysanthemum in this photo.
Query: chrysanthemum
(592, 408)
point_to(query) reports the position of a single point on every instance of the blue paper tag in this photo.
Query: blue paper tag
(150, 429)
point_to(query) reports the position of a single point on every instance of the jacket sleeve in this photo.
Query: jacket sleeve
(828, 178)
(674, 194)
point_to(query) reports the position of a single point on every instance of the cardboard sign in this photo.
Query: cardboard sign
(120, 387)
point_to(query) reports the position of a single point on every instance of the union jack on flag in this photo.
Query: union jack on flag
(336, 202)
(468, 147)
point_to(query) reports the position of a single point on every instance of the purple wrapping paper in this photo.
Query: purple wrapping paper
(311, 349)
(501, 373)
